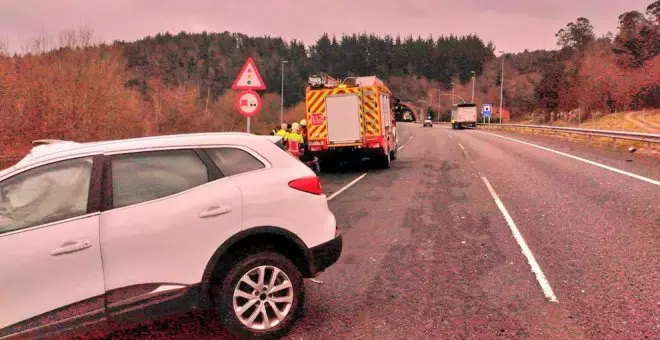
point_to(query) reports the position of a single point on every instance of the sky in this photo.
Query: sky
(512, 25)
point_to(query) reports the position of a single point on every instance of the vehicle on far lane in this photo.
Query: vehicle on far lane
(428, 123)
(464, 115)
(107, 232)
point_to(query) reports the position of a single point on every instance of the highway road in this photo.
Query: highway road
(479, 235)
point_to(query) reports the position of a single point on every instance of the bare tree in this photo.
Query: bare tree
(80, 37)
(68, 38)
(39, 44)
(86, 36)
(4, 47)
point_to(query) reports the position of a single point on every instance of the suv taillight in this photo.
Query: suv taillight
(310, 185)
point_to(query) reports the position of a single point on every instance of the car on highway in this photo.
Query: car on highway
(106, 232)
(428, 123)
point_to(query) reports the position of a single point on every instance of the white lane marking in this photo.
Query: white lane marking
(536, 269)
(607, 167)
(406, 142)
(465, 152)
(346, 186)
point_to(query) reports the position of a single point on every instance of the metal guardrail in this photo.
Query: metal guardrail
(627, 135)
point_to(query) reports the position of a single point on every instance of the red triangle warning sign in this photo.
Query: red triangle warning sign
(249, 78)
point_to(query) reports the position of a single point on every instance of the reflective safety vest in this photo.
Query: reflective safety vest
(294, 148)
(294, 136)
(294, 141)
(281, 133)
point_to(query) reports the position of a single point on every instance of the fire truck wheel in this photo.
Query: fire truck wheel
(384, 161)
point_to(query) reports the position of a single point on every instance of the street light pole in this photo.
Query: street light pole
(438, 103)
(474, 79)
(453, 90)
(282, 94)
(502, 87)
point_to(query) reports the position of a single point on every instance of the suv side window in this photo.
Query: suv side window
(234, 161)
(146, 176)
(45, 194)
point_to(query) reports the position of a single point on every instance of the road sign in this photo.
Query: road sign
(486, 110)
(249, 77)
(248, 103)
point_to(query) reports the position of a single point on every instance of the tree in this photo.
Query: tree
(576, 35)
(4, 48)
(548, 90)
(638, 39)
(653, 11)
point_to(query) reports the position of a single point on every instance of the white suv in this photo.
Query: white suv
(97, 233)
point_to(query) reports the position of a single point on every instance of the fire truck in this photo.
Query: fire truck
(350, 120)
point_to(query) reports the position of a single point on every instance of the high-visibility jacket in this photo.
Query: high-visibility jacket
(294, 136)
(294, 142)
(282, 133)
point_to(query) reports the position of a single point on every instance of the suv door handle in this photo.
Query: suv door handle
(214, 211)
(71, 247)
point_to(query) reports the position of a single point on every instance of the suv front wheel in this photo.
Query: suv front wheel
(260, 297)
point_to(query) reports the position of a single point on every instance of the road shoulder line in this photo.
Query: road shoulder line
(536, 269)
(345, 187)
(606, 167)
(406, 142)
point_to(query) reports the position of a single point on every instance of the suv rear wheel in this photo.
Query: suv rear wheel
(260, 297)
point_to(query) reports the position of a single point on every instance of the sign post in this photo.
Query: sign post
(486, 111)
(248, 102)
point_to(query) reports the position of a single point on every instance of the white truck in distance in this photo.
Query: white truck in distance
(464, 115)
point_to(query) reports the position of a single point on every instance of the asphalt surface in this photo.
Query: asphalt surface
(428, 254)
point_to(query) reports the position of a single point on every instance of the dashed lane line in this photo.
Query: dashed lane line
(345, 187)
(465, 153)
(536, 269)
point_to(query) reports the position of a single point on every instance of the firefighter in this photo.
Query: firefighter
(294, 140)
(303, 131)
(282, 132)
(305, 157)
(295, 134)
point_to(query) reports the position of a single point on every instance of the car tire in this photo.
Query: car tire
(229, 295)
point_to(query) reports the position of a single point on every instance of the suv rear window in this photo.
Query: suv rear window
(147, 176)
(234, 161)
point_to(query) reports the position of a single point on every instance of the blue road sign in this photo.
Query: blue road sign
(486, 110)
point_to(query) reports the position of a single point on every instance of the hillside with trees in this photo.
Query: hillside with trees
(70, 87)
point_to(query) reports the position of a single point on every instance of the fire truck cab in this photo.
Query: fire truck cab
(349, 120)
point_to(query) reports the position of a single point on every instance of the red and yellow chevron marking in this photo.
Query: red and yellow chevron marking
(371, 114)
(315, 104)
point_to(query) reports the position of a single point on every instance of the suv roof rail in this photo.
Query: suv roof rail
(46, 141)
